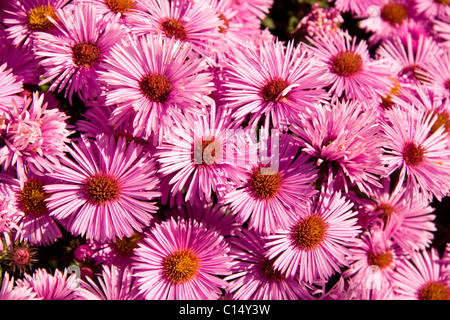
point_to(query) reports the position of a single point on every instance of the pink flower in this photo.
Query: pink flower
(59, 286)
(152, 78)
(36, 225)
(348, 68)
(422, 157)
(181, 260)
(316, 245)
(106, 190)
(270, 194)
(10, 291)
(422, 277)
(348, 146)
(34, 135)
(10, 86)
(73, 57)
(271, 81)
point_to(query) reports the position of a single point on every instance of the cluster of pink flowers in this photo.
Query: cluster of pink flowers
(186, 153)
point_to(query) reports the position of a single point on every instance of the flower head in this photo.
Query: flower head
(107, 192)
(181, 260)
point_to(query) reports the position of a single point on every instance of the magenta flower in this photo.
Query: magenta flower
(193, 22)
(36, 225)
(106, 190)
(272, 81)
(372, 264)
(348, 69)
(405, 219)
(181, 260)
(422, 277)
(113, 284)
(34, 135)
(348, 146)
(24, 18)
(253, 275)
(421, 156)
(410, 67)
(152, 78)
(316, 245)
(73, 57)
(203, 158)
(267, 198)
(59, 286)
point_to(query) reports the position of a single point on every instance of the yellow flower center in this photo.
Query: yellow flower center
(37, 18)
(181, 266)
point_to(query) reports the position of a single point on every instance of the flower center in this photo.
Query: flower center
(386, 211)
(181, 266)
(264, 186)
(414, 72)
(382, 260)
(269, 271)
(309, 232)
(226, 24)
(413, 154)
(32, 198)
(85, 54)
(443, 119)
(102, 188)
(394, 13)
(272, 90)
(174, 28)
(208, 157)
(37, 18)
(126, 245)
(156, 87)
(21, 256)
(120, 6)
(434, 291)
(346, 63)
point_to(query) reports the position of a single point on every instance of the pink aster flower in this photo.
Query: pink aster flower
(271, 80)
(59, 286)
(317, 244)
(440, 73)
(253, 275)
(441, 28)
(34, 135)
(106, 191)
(10, 86)
(270, 194)
(181, 260)
(203, 158)
(348, 68)
(26, 17)
(405, 219)
(9, 291)
(386, 18)
(73, 57)
(193, 22)
(35, 223)
(152, 78)
(372, 263)
(250, 13)
(113, 284)
(348, 146)
(421, 157)
(422, 277)
(410, 67)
